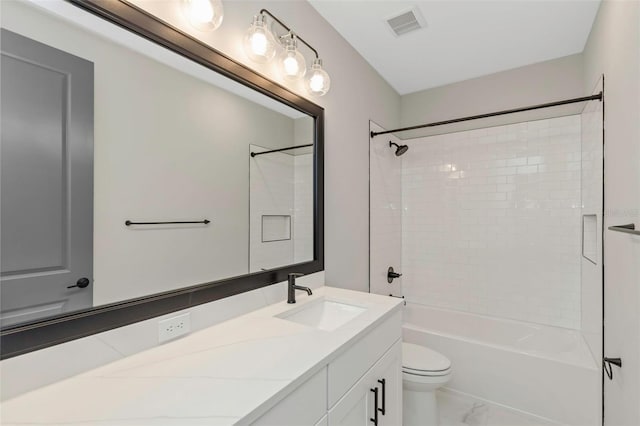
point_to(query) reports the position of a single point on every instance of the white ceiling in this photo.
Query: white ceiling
(463, 38)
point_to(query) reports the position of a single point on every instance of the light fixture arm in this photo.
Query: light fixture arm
(290, 32)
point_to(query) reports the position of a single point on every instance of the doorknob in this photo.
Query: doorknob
(81, 283)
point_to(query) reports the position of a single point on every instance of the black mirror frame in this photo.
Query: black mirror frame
(21, 339)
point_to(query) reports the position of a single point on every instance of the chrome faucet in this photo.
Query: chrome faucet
(293, 287)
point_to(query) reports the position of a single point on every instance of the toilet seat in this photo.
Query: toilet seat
(419, 361)
(426, 373)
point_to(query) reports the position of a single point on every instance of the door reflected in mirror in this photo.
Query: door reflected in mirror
(101, 127)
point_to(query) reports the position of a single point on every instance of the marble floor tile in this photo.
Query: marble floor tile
(459, 410)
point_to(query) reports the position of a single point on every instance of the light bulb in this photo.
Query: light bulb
(201, 11)
(259, 43)
(318, 81)
(291, 66)
(204, 15)
(292, 63)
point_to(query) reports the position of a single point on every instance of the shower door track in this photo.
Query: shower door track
(597, 97)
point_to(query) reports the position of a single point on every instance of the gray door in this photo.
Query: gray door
(46, 182)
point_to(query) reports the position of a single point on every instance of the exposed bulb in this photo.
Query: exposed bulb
(204, 15)
(201, 11)
(292, 62)
(291, 67)
(318, 80)
(259, 44)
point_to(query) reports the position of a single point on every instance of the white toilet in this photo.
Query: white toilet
(423, 371)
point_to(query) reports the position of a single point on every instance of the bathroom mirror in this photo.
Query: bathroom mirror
(143, 172)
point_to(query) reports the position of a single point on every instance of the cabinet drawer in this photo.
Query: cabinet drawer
(304, 406)
(350, 366)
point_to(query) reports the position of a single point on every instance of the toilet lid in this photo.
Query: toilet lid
(419, 358)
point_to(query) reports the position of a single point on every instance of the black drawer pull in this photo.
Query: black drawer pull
(375, 406)
(383, 382)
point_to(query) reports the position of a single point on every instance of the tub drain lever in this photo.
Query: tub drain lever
(606, 364)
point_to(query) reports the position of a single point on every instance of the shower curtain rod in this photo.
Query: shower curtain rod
(493, 114)
(254, 154)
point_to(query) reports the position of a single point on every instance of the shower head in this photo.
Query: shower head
(400, 149)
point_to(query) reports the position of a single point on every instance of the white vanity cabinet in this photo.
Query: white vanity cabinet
(344, 391)
(376, 398)
(389, 369)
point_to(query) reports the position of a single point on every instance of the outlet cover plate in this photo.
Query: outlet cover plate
(171, 328)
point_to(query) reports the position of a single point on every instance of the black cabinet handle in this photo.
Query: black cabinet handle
(383, 382)
(375, 406)
(81, 283)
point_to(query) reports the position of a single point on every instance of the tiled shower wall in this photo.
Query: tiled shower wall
(280, 184)
(303, 208)
(271, 192)
(592, 154)
(491, 221)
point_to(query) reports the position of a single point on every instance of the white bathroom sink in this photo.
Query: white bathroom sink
(323, 314)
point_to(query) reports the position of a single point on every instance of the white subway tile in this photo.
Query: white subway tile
(501, 237)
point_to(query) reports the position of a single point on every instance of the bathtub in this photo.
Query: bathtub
(541, 370)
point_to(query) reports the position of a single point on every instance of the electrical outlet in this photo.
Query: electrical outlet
(173, 327)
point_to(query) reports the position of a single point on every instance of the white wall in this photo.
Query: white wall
(491, 221)
(357, 94)
(543, 82)
(613, 49)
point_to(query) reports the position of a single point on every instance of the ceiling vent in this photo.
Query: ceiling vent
(406, 22)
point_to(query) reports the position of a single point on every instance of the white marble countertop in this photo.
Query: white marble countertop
(229, 373)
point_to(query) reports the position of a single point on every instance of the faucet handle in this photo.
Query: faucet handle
(295, 274)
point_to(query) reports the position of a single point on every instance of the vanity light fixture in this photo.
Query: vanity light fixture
(204, 15)
(261, 41)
